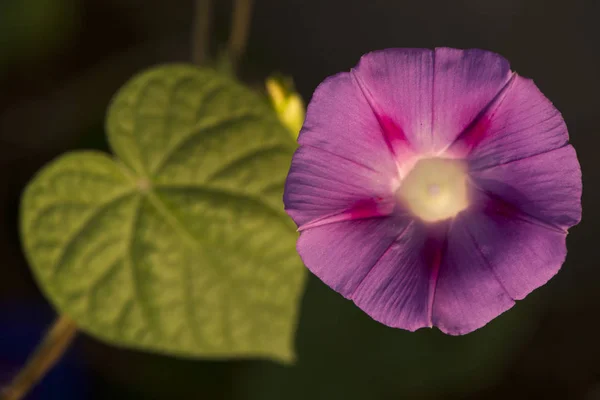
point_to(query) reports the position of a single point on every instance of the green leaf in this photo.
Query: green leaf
(179, 244)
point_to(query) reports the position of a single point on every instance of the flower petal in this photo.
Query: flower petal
(523, 123)
(387, 266)
(468, 295)
(398, 85)
(384, 265)
(546, 187)
(398, 290)
(321, 185)
(466, 82)
(431, 96)
(341, 254)
(366, 127)
(340, 121)
(523, 254)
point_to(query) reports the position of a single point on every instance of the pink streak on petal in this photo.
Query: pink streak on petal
(433, 252)
(342, 254)
(465, 83)
(497, 207)
(479, 128)
(370, 208)
(523, 254)
(394, 135)
(473, 136)
(340, 121)
(545, 188)
(398, 86)
(468, 293)
(524, 124)
(321, 184)
(396, 289)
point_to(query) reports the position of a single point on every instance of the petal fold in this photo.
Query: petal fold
(466, 83)
(341, 254)
(321, 184)
(468, 294)
(430, 97)
(340, 121)
(523, 124)
(546, 187)
(398, 290)
(398, 85)
(383, 265)
(523, 254)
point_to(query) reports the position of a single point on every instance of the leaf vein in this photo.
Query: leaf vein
(84, 227)
(138, 293)
(233, 165)
(196, 131)
(227, 193)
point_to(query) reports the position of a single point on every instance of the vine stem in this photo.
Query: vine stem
(57, 340)
(240, 27)
(201, 32)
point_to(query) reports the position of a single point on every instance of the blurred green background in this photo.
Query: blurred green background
(62, 60)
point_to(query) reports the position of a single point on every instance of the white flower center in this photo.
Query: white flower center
(435, 189)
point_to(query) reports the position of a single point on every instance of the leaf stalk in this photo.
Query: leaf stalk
(57, 340)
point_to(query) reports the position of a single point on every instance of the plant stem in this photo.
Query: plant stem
(201, 32)
(48, 353)
(240, 27)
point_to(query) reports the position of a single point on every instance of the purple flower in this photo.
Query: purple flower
(433, 187)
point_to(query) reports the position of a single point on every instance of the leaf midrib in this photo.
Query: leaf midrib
(160, 206)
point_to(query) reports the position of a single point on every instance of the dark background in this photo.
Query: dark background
(62, 60)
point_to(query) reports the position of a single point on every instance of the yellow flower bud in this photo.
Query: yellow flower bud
(287, 104)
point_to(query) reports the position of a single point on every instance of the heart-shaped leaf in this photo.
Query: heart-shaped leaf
(180, 243)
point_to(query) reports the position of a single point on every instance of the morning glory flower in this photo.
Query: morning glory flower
(433, 187)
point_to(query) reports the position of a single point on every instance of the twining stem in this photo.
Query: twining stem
(240, 27)
(201, 32)
(48, 353)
